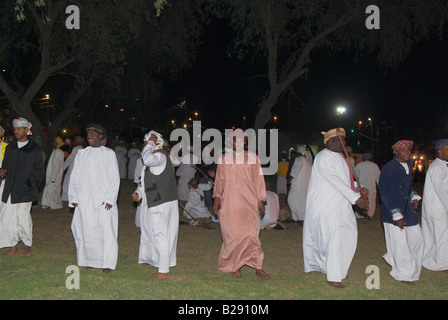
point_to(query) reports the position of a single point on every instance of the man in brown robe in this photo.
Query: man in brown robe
(239, 194)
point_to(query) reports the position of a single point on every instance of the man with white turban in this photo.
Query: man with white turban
(300, 173)
(159, 221)
(51, 196)
(133, 154)
(22, 172)
(186, 172)
(68, 165)
(121, 153)
(195, 205)
(330, 232)
(93, 192)
(399, 202)
(435, 211)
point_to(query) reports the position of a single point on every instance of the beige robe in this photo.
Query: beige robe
(240, 187)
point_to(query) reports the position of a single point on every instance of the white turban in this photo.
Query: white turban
(159, 142)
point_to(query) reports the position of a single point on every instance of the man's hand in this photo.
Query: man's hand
(364, 192)
(362, 202)
(108, 206)
(261, 207)
(217, 205)
(135, 197)
(415, 204)
(3, 173)
(74, 204)
(401, 223)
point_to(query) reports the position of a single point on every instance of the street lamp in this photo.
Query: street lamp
(47, 97)
(275, 121)
(339, 112)
(371, 135)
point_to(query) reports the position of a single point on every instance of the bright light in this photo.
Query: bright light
(47, 96)
(340, 110)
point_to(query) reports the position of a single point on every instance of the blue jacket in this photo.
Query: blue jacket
(395, 188)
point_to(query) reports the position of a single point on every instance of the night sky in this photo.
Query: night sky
(413, 97)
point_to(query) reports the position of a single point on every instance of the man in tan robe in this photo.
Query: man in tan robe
(239, 194)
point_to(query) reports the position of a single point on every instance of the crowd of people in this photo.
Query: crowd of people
(325, 196)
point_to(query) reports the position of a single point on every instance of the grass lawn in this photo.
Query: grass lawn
(43, 275)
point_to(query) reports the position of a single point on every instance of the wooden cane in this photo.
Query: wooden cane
(188, 212)
(204, 225)
(348, 160)
(209, 180)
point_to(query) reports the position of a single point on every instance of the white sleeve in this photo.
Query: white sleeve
(151, 159)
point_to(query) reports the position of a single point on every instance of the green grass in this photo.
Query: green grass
(43, 275)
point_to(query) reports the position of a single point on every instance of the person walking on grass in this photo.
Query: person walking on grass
(51, 196)
(435, 211)
(330, 232)
(93, 192)
(157, 192)
(22, 171)
(399, 202)
(239, 194)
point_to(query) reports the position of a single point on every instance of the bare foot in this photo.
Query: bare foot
(159, 275)
(237, 274)
(12, 251)
(262, 274)
(107, 270)
(27, 252)
(336, 284)
(148, 265)
(409, 283)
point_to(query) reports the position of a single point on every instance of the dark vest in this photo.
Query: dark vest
(161, 188)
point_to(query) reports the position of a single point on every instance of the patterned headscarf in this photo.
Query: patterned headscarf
(22, 122)
(402, 144)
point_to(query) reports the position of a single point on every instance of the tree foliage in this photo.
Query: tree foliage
(285, 34)
(122, 48)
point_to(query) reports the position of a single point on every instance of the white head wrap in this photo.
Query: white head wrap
(159, 142)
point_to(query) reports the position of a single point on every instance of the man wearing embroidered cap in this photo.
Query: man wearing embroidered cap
(399, 201)
(330, 231)
(51, 196)
(22, 171)
(93, 192)
(435, 211)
